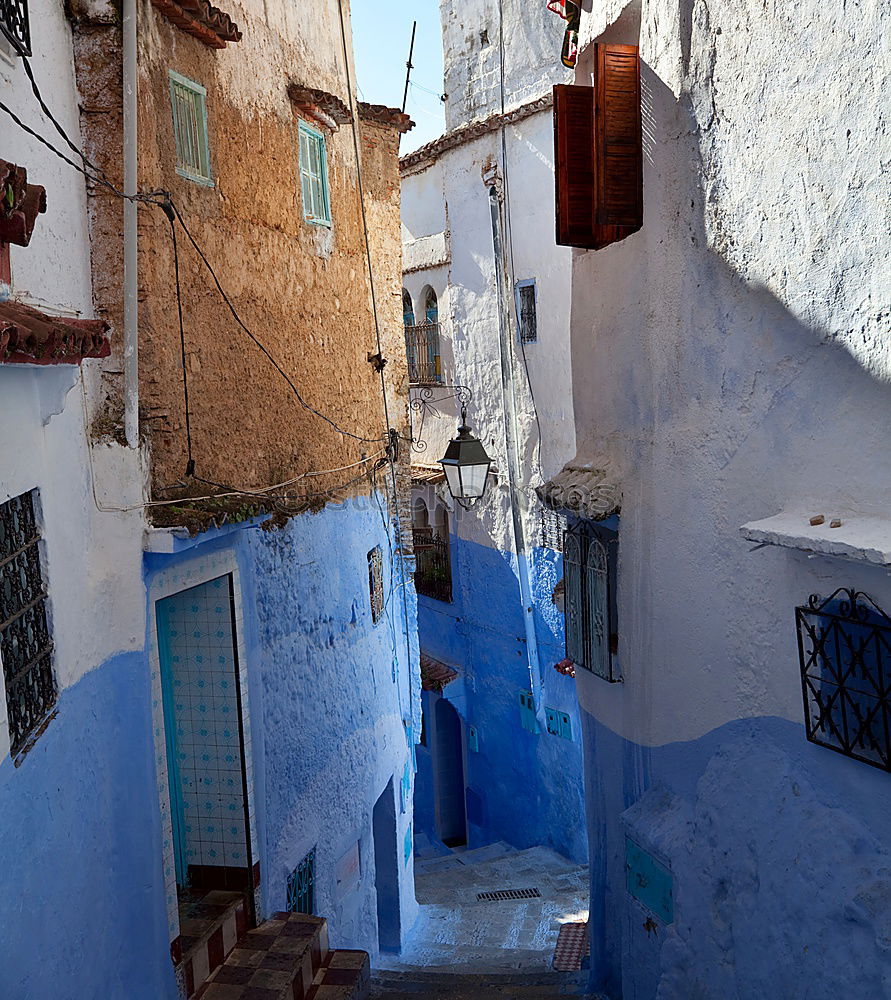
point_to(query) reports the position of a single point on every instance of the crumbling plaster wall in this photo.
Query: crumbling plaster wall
(302, 289)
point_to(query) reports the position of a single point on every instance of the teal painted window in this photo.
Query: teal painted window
(527, 712)
(301, 885)
(314, 176)
(189, 103)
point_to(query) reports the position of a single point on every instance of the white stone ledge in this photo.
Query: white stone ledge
(865, 538)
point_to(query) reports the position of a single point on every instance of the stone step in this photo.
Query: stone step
(209, 929)
(439, 986)
(280, 957)
(344, 975)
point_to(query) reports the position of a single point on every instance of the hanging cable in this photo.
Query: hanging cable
(171, 218)
(393, 453)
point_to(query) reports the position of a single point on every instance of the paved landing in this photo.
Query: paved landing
(457, 934)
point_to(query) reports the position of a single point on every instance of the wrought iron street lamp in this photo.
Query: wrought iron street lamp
(466, 465)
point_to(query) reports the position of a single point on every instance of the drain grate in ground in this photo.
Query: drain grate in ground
(491, 897)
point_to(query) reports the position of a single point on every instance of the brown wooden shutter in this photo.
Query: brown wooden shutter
(619, 166)
(574, 157)
(598, 156)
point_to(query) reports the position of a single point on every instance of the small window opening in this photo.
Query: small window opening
(526, 313)
(189, 102)
(301, 886)
(314, 176)
(376, 582)
(422, 341)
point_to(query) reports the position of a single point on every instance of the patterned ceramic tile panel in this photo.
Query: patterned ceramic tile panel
(164, 584)
(205, 703)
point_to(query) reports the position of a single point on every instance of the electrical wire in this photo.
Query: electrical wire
(261, 345)
(510, 238)
(190, 461)
(377, 330)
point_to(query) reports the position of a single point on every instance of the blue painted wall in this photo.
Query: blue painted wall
(81, 891)
(523, 788)
(779, 853)
(330, 692)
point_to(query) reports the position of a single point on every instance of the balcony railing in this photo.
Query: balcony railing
(433, 576)
(14, 25)
(422, 350)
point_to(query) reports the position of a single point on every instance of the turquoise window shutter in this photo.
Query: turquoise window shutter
(313, 156)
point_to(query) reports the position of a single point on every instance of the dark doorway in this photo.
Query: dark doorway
(386, 870)
(448, 776)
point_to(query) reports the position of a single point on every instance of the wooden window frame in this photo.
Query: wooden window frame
(187, 94)
(314, 193)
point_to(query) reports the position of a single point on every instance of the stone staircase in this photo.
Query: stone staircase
(288, 958)
(438, 985)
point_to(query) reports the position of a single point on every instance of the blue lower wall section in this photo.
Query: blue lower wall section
(778, 850)
(523, 788)
(330, 693)
(81, 893)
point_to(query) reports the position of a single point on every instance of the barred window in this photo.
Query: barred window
(301, 886)
(25, 644)
(376, 582)
(15, 28)
(526, 312)
(590, 556)
(189, 102)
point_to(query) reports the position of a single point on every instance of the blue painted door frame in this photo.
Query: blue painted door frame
(177, 812)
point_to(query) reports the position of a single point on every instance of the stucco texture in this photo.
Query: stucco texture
(302, 289)
(731, 360)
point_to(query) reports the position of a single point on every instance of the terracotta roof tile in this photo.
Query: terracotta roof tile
(319, 104)
(20, 204)
(28, 336)
(435, 674)
(202, 20)
(383, 115)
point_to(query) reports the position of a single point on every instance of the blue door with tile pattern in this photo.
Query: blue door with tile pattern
(203, 724)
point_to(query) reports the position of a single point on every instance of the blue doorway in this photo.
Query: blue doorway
(448, 775)
(386, 870)
(204, 734)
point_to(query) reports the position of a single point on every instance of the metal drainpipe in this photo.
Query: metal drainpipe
(131, 307)
(514, 471)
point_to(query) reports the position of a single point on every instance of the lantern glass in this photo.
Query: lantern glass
(466, 466)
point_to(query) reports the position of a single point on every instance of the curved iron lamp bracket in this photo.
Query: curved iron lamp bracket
(424, 400)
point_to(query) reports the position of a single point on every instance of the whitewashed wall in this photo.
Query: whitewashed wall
(92, 559)
(732, 359)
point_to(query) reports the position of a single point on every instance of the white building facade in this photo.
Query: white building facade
(730, 366)
(487, 299)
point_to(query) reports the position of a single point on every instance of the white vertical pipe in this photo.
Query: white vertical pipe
(131, 306)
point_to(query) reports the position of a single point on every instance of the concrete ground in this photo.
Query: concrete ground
(457, 934)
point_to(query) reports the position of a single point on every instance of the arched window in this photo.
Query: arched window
(433, 576)
(422, 339)
(419, 516)
(431, 306)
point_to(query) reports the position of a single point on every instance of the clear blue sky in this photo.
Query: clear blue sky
(381, 36)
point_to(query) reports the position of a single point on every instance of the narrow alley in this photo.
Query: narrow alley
(445, 546)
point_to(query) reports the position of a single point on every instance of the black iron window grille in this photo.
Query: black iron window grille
(433, 572)
(15, 26)
(422, 351)
(301, 886)
(526, 312)
(25, 644)
(553, 528)
(590, 557)
(844, 647)
(376, 582)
